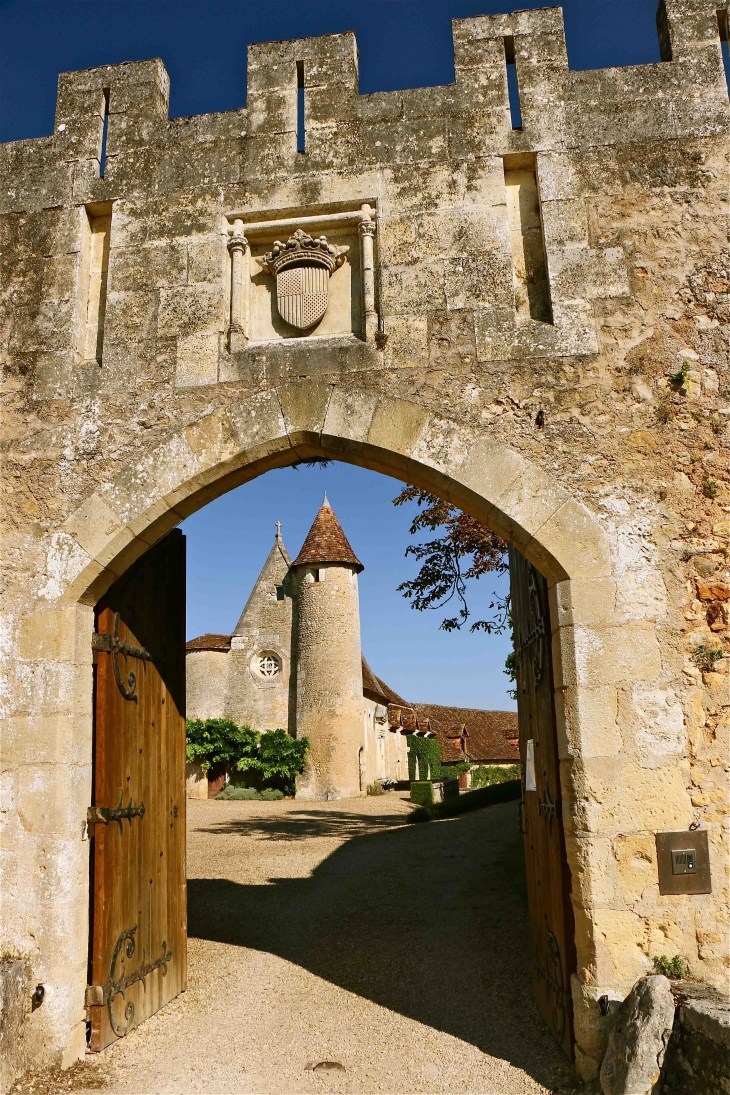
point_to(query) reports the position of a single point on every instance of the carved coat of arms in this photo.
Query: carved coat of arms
(302, 267)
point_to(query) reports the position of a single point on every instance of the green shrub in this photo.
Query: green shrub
(486, 775)
(705, 657)
(280, 759)
(676, 967)
(453, 771)
(710, 488)
(273, 758)
(219, 741)
(472, 800)
(271, 794)
(679, 379)
(238, 793)
(422, 792)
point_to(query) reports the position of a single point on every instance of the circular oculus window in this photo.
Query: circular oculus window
(268, 664)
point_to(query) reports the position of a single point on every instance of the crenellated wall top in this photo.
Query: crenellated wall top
(684, 95)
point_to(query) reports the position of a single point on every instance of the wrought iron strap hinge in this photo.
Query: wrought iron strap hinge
(116, 986)
(102, 815)
(551, 974)
(103, 641)
(106, 643)
(547, 808)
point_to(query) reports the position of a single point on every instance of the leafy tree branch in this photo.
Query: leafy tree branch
(465, 549)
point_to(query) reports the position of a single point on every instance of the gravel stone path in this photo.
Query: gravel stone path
(331, 932)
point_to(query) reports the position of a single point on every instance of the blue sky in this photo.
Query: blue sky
(403, 43)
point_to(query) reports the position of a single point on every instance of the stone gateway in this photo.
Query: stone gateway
(532, 323)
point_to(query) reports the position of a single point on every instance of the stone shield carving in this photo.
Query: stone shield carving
(302, 267)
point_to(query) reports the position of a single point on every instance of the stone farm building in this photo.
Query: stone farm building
(294, 661)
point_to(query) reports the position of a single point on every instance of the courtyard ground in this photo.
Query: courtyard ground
(331, 932)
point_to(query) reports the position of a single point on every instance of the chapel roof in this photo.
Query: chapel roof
(491, 736)
(326, 542)
(209, 642)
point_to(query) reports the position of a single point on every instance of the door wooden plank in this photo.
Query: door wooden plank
(139, 917)
(552, 928)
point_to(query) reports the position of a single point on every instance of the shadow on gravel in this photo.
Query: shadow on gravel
(305, 823)
(427, 920)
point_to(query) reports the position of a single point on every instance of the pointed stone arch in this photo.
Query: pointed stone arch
(240, 440)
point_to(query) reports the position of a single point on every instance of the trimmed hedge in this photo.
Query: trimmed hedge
(422, 792)
(247, 794)
(484, 775)
(472, 800)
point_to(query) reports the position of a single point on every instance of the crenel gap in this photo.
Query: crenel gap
(102, 156)
(513, 88)
(723, 22)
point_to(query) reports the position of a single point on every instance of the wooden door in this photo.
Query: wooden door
(137, 822)
(552, 929)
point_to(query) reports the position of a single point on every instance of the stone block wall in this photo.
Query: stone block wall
(596, 443)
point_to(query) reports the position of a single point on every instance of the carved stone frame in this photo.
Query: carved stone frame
(241, 234)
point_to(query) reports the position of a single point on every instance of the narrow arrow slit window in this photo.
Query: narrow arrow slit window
(301, 133)
(104, 134)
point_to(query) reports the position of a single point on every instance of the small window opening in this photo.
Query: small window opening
(97, 273)
(527, 241)
(723, 22)
(102, 157)
(301, 134)
(662, 26)
(513, 88)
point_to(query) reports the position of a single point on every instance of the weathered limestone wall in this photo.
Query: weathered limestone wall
(385, 754)
(206, 676)
(265, 628)
(329, 707)
(568, 437)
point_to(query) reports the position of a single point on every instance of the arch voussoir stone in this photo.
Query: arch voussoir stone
(233, 444)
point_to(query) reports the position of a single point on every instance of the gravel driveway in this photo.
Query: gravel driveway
(332, 932)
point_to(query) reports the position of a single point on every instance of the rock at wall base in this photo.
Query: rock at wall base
(636, 1046)
(12, 1014)
(698, 1057)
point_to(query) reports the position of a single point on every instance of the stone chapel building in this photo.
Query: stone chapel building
(294, 661)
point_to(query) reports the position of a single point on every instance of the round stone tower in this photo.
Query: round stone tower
(329, 703)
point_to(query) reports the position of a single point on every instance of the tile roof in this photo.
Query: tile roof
(326, 542)
(491, 736)
(209, 642)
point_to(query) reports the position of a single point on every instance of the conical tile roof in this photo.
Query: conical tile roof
(326, 542)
